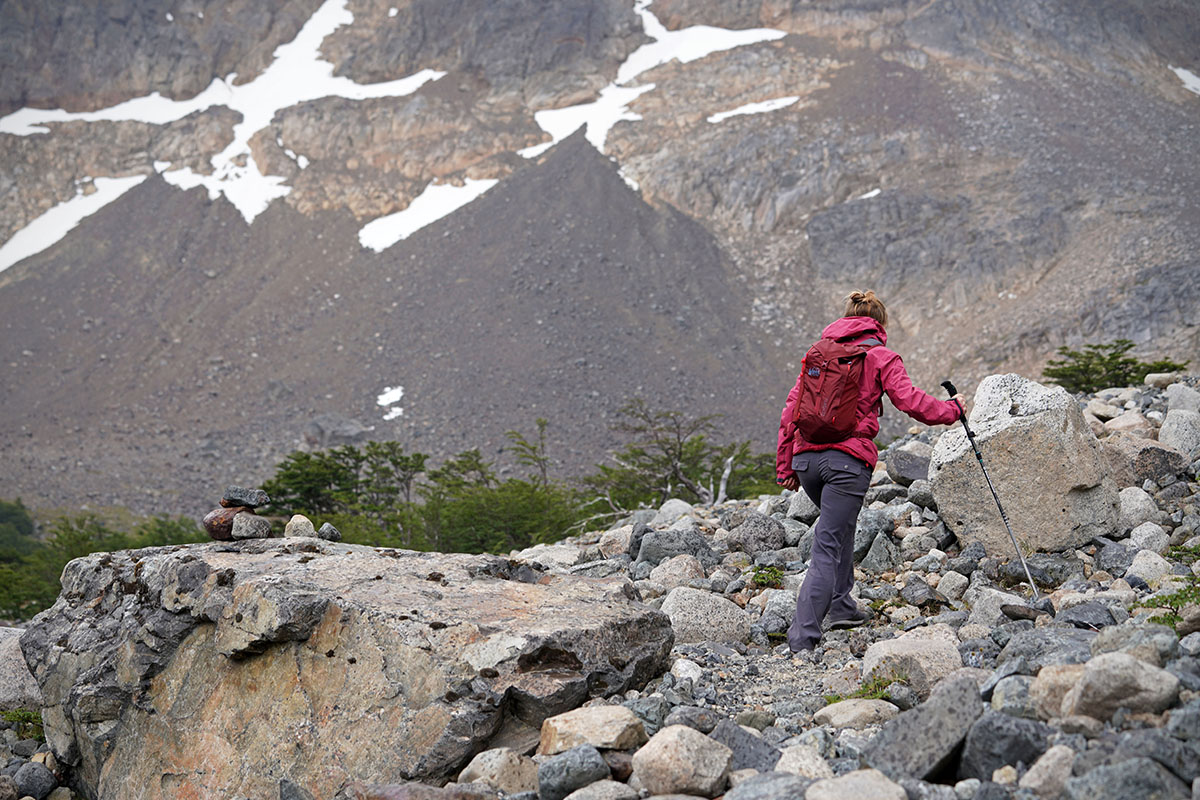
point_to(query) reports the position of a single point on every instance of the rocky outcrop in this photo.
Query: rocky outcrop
(373, 157)
(1044, 462)
(235, 666)
(547, 57)
(88, 57)
(40, 171)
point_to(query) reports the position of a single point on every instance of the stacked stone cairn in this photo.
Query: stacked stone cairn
(961, 687)
(236, 519)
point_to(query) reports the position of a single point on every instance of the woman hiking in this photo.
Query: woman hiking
(834, 464)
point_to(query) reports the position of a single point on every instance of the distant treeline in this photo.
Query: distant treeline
(381, 495)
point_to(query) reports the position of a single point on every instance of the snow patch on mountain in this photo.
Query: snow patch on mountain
(298, 74)
(388, 399)
(60, 220)
(754, 108)
(437, 201)
(1191, 81)
(612, 106)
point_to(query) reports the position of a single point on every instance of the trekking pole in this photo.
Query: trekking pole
(962, 416)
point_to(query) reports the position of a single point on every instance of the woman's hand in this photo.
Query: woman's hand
(960, 399)
(790, 482)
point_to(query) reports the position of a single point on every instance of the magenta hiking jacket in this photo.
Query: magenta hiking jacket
(883, 371)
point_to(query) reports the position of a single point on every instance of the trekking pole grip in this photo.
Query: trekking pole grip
(962, 412)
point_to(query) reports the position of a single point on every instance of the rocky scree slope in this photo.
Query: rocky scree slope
(976, 692)
(983, 166)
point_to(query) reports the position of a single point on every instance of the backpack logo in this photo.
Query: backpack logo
(814, 372)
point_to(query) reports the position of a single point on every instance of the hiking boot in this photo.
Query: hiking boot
(852, 621)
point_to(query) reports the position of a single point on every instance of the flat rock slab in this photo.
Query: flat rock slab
(208, 663)
(920, 742)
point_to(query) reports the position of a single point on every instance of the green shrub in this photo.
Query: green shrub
(1174, 602)
(767, 577)
(1101, 366)
(30, 583)
(29, 723)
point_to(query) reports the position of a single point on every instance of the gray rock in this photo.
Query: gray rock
(884, 493)
(250, 526)
(802, 508)
(882, 557)
(793, 532)
(1181, 430)
(1155, 644)
(700, 616)
(1011, 696)
(658, 546)
(701, 719)
(871, 523)
(1184, 722)
(18, 689)
(920, 594)
(1149, 536)
(902, 696)
(1181, 758)
(1043, 646)
(771, 786)
(1132, 459)
(1090, 616)
(290, 791)
(329, 533)
(671, 511)
(1137, 507)
(921, 494)
(757, 534)
(562, 774)
(1181, 397)
(1112, 681)
(749, 751)
(251, 498)
(326, 431)
(997, 739)
(1137, 777)
(920, 742)
(8, 787)
(34, 780)
(1037, 447)
(967, 561)
(904, 467)
(550, 645)
(1114, 558)
(653, 711)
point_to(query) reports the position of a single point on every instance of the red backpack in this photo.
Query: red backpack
(830, 374)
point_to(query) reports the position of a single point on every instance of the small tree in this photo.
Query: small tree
(1099, 366)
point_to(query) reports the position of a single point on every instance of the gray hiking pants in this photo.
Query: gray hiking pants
(837, 483)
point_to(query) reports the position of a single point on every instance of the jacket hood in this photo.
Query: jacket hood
(855, 327)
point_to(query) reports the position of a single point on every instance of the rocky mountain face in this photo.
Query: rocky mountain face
(1009, 177)
(646, 659)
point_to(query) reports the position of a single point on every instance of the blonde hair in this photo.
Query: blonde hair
(866, 304)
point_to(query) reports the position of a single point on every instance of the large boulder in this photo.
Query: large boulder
(1133, 460)
(1044, 462)
(18, 689)
(230, 667)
